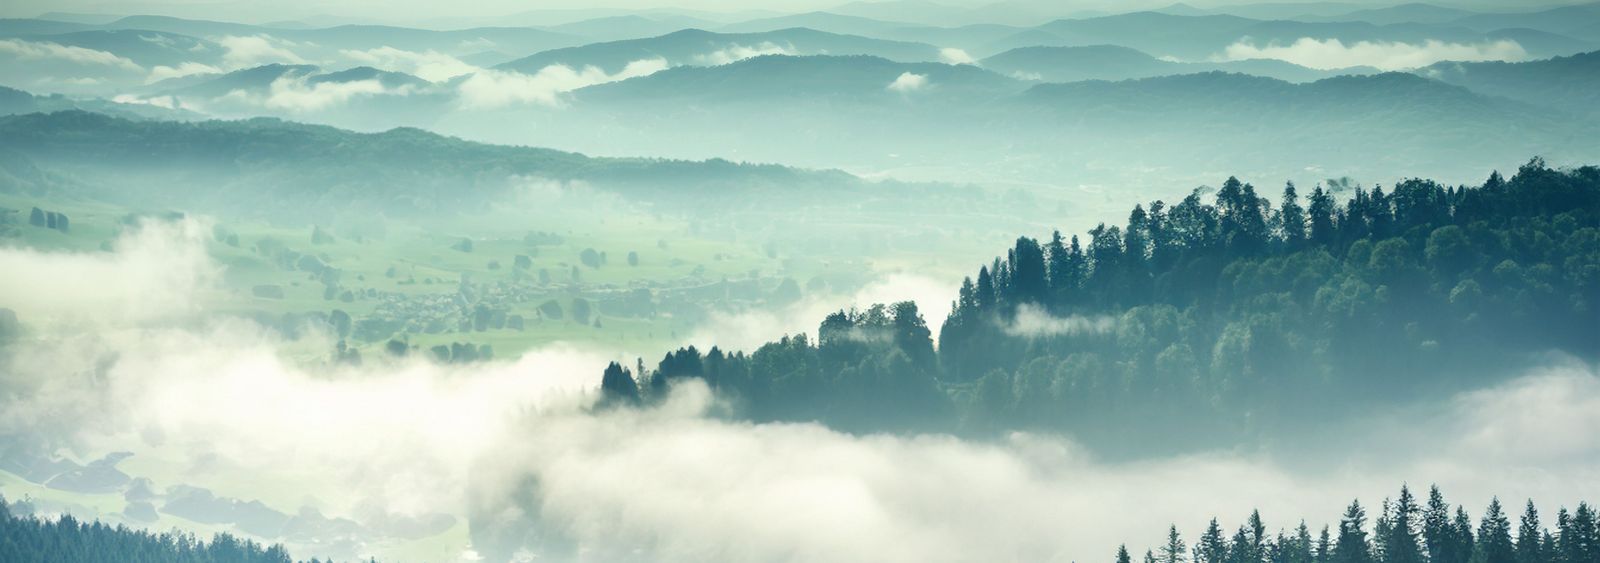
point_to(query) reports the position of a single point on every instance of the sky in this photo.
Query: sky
(388, 10)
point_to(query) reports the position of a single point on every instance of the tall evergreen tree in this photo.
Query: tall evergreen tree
(1351, 545)
(1303, 549)
(1028, 274)
(617, 386)
(1212, 547)
(1174, 551)
(1258, 535)
(1529, 536)
(1494, 536)
(1291, 219)
(1242, 548)
(1324, 546)
(1401, 546)
(1059, 266)
(1438, 532)
(985, 289)
(1465, 546)
(1320, 214)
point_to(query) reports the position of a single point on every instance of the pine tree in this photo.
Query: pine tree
(1258, 532)
(1174, 551)
(1464, 547)
(1302, 548)
(1239, 548)
(1529, 548)
(1583, 545)
(1122, 554)
(1291, 219)
(1437, 529)
(1400, 545)
(1494, 536)
(617, 386)
(1212, 546)
(985, 290)
(1351, 546)
(1324, 546)
(1059, 267)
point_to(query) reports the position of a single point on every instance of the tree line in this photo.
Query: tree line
(24, 537)
(1406, 530)
(1204, 318)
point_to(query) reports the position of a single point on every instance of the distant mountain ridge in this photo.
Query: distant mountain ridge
(700, 47)
(263, 166)
(1110, 62)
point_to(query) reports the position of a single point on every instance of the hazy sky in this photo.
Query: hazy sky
(254, 11)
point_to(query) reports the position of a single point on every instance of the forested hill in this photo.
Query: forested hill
(268, 164)
(1215, 316)
(68, 540)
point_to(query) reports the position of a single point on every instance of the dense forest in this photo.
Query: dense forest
(1210, 319)
(1406, 530)
(69, 540)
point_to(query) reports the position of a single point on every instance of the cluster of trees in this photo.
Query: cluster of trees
(860, 361)
(1211, 318)
(1236, 315)
(49, 220)
(1404, 531)
(69, 540)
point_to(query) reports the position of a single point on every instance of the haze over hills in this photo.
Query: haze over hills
(902, 281)
(1568, 84)
(704, 48)
(277, 166)
(1107, 62)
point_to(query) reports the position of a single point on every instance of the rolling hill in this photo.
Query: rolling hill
(1109, 62)
(278, 168)
(699, 47)
(1570, 84)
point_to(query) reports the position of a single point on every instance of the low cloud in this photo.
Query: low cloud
(47, 51)
(153, 273)
(430, 65)
(674, 485)
(164, 72)
(1031, 321)
(168, 102)
(735, 53)
(491, 89)
(952, 55)
(296, 94)
(908, 82)
(243, 51)
(121, 355)
(228, 404)
(1335, 54)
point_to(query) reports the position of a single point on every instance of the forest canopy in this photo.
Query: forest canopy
(1215, 316)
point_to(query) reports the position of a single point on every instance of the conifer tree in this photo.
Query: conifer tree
(1529, 537)
(1494, 536)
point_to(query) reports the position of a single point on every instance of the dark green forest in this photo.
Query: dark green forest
(69, 540)
(1405, 530)
(1212, 319)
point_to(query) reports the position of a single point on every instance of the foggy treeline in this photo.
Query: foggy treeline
(1405, 529)
(1199, 323)
(799, 281)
